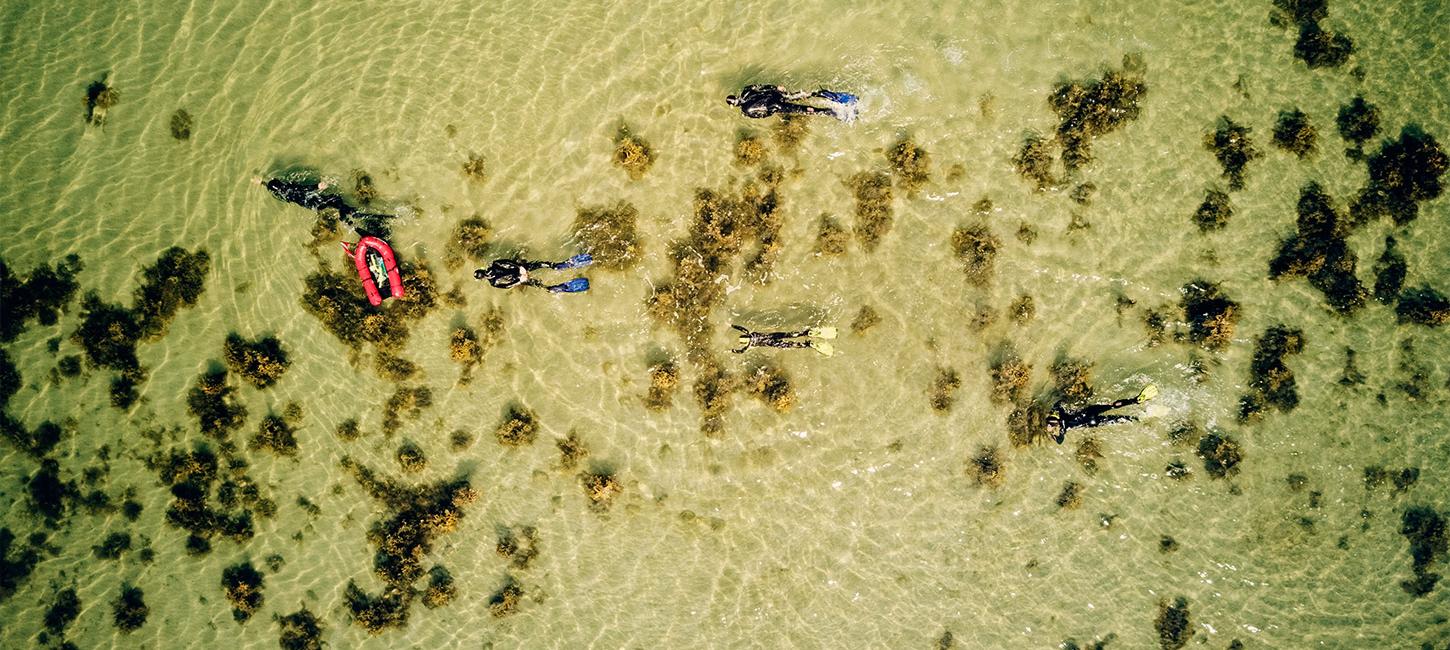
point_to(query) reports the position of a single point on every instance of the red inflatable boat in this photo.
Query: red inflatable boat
(376, 266)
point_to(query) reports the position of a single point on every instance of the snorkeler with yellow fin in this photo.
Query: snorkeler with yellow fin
(1062, 419)
(814, 338)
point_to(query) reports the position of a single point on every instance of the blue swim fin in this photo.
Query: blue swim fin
(840, 98)
(577, 285)
(580, 260)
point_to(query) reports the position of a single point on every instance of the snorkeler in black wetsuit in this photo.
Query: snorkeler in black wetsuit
(313, 197)
(509, 273)
(762, 100)
(1061, 419)
(750, 339)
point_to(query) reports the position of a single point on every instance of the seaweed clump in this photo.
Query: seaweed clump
(464, 350)
(1214, 212)
(99, 99)
(1319, 252)
(63, 611)
(831, 237)
(519, 549)
(749, 150)
(301, 630)
(1320, 48)
(1096, 107)
(337, 302)
(1358, 121)
(112, 546)
(405, 402)
(1072, 379)
(129, 610)
(609, 234)
(1221, 455)
(175, 281)
(411, 458)
(469, 240)
(1423, 305)
(944, 387)
(1402, 174)
(40, 295)
(772, 385)
(866, 318)
(664, 380)
(1234, 148)
(911, 164)
(1071, 496)
(276, 434)
(15, 564)
(441, 589)
(872, 191)
(260, 362)
(181, 123)
(1211, 315)
(976, 248)
(475, 169)
(48, 493)
(416, 516)
(1271, 382)
(242, 584)
(1034, 162)
(1010, 376)
(571, 450)
(601, 486)
(1389, 273)
(506, 600)
(632, 153)
(1294, 134)
(987, 467)
(1424, 528)
(519, 427)
(1173, 625)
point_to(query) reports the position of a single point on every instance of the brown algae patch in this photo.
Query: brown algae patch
(416, 515)
(1424, 529)
(832, 238)
(260, 362)
(1423, 305)
(911, 164)
(1320, 252)
(469, 241)
(571, 450)
(1232, 144)
(1070, 498)
(129, 611)
(1214, 212)
(749, 150)
(465, 350)
(1221, 455)
(475, 169)
(411, 459)
(181, 125)
(441, 589)
(632, 153)
(664, 381)
(1034, 162)
(1293, 133)
(214, 403)
(1173, 624)
(1009, 375)
(1271, 382)
(1093, 108)
(99, 99)
(505, 601)
(1072, 379)
(943, 393)
(519, 427)
(1089, 452)
(1211, 315)
(866, 318)
(601, 486)
(790, 132)
(770, 384)
(1404, 172)
(301, 630)
(609, 233)
(1389, 272)
(1022, 309)
(1358, 121)
(988, 467)
(872, 191)
(39, 296)
(519, 546)
(242, 584)
(976, 248)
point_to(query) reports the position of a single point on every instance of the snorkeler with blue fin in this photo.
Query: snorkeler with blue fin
(813, 338)
(764, 100)
(509, 273)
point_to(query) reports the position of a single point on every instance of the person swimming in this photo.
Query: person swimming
(803, 339)
(1061, 419)
(762, 100)
(509, 273)
(314, 196)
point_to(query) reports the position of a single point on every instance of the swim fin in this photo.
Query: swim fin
(1149, 392)
(840, 98)
(580, 260)
(577, 285)
(823, 347)
(822, 332)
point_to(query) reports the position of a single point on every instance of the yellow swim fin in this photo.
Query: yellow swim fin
(1149, 392)
(823, 347)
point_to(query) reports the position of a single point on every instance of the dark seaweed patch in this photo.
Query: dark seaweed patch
(1320, 252)
(277, 435)
(571, 450)
(441, 589)
(1173, 624)
(831, 237)
(1321, 48)
(63, 611)
(99, 99)
(129, 610)
(866, 318)
(1234, 148)
(1358, 121)
(1389, 273)
(242, 584)
(874, 217)
(469, 240)
(987, 467)
(16, 563)
(406, 402)
(1294, 133)
(39, 296)
(411, 458)
(1402, 174)
(181, 125)
(301, 630)
(519, 427)
(1221, 455)
(609, 233)
(519, 548)
(664, 380)
(911, 164)
(632, 153)
(976, 248)
(770, 384)
(1214, 212)
(1423, 305)
(1211, 315)
(943, 389)
(260, 362)
(1424, 528)
(214, 403)
(1095, 107)
(1271, 382)
(174, 282)
(601, 486)
(112, 546)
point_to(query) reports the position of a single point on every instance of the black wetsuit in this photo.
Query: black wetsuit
(1089, 416)
(762, 100)
(311, 196)
(506, 274)
(772, 339)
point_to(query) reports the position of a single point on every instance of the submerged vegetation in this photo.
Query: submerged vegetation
(1358, 121)
(1034, 162)
(911, 164)
(1173, 624)
(415, 515)
(40, 296)
(1404, 173)
(181, 123)
(632, 153)
(770, 384)
(1210, 314)
(1221, 455)
(1214, 212)
(1320, 252)
(976, 248)
(832, 238)
(664, 380)
(99, 99)
(260, 362)
(609, 234)
(1423, 305)
(987, 467)
(1424, 528)
(129, 610)
(1010, 376)
(301, 630)
(470, 241)
(242, 584)
(1095, 107)
(874, 217)
(943, 393)
(1294, 134)
(1271, 382)
(601, 486)
(1232, 145)
(519, 427)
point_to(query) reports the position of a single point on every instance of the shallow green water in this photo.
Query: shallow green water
(849, 521)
